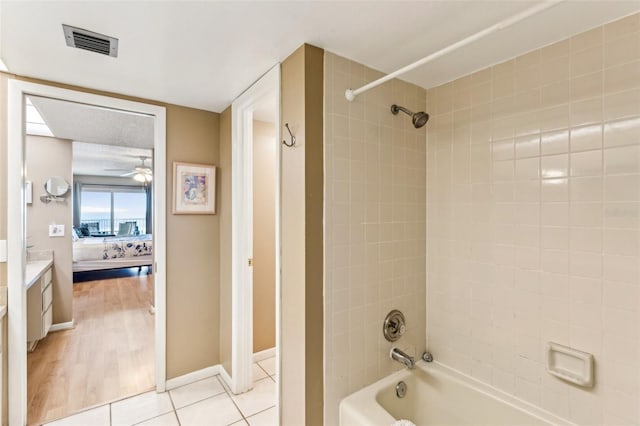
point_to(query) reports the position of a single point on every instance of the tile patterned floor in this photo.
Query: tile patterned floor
(205, 402)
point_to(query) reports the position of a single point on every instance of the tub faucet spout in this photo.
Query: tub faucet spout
(397, 355)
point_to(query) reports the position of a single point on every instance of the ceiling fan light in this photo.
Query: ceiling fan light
(139, 177)
(148, 177)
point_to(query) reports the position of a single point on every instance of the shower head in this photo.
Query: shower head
(419, 119)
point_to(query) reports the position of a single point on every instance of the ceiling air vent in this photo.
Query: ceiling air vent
(88, 40)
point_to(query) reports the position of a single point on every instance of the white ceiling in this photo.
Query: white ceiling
(204, 54)
(96, 160)
(88, 123)
(103, 138)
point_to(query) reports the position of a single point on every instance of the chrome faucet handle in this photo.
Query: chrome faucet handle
(393, 327)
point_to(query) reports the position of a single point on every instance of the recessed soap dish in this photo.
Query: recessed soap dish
(570, 364)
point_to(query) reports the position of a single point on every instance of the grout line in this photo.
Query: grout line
(261, 368)
(236, 405)
(175, 412)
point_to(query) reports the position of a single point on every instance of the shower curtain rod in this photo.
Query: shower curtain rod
(351, 94)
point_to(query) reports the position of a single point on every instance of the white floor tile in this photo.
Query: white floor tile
(261, 397)
(217, 410)
(269, 365)
(264, 418)
(197, 391)
(139, 408)
(98, 416)
(258, 373)
(168, 419)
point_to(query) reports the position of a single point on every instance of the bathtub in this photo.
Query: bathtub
(437, 395)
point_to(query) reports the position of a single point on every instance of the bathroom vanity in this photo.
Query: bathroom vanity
(39, 284)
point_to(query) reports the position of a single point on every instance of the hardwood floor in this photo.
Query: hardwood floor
(108, 355)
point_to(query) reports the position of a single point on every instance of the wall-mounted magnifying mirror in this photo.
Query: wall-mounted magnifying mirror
(57, 188)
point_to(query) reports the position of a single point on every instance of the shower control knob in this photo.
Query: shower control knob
(393, 327)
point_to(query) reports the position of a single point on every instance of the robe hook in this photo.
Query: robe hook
(293, 138)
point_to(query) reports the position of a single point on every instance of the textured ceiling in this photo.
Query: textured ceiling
(87, 123)
(204, 54)
(94, 159)
(103, 138)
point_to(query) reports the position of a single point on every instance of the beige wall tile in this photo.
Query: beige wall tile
(621, 105)
(586, 61)
(586, 137)
(622, 27)
(586, 40)
(588, 163)
(554, 166)
(622, 50)
(534, 227)
(554, 142)
(622, 160)
(622, 132)
(586, 86)
(375, 216)
(622, 77)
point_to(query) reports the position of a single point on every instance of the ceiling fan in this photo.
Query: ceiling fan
(141, 172)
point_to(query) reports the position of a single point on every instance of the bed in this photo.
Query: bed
(97, 253)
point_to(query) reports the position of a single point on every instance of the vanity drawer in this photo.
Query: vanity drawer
(47, 320)
(46, 279)
(47, 297)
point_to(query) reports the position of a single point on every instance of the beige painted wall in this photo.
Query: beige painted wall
(533, 222)
(224, 212)
(264, 236)
(193, 241)
(302, 239)
(375, 191)
(46, 157)
(192, 250)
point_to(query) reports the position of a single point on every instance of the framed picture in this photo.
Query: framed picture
(194, 188)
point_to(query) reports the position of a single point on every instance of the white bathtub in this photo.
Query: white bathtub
(437, 395)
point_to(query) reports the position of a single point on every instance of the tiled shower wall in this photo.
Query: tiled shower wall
(375, 209)
(533, 222)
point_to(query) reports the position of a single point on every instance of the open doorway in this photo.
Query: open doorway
(57, 291)
(99, 347)
(255, 276)
(265, 151)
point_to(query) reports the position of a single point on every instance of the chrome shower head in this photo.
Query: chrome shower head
(419, 119)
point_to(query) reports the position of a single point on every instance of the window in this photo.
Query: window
(109, 206)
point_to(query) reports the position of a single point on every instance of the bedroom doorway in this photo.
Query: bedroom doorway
(130, 234)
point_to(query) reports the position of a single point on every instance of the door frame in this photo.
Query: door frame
(242, 230)
(16, 230)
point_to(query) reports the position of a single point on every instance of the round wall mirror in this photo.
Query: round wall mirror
(56, 186)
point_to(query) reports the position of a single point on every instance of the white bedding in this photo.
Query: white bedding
(112, 252)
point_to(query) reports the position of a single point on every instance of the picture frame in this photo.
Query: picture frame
(194, 188)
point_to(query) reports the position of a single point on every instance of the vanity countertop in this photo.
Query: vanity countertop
(34, 271)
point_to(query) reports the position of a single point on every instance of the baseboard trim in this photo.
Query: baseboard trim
(262, 355)
(194, 376)
(62, 326)
(225, 377)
